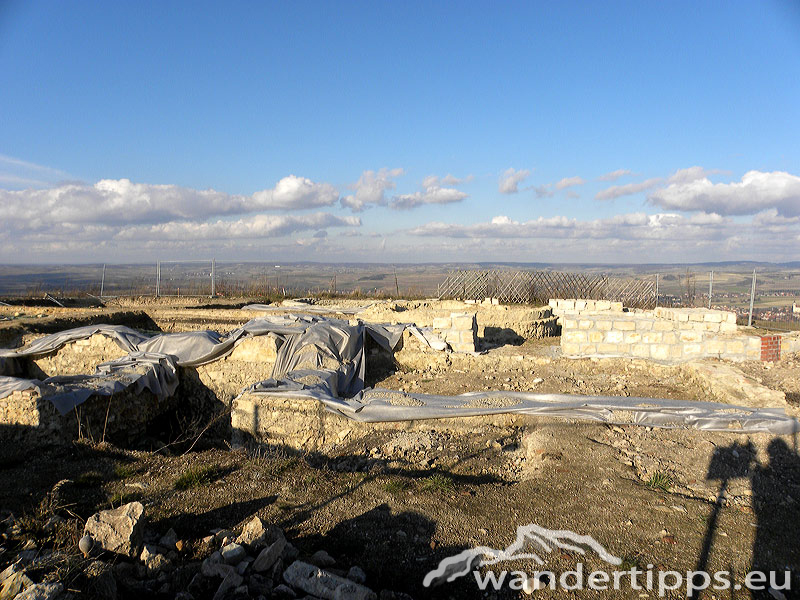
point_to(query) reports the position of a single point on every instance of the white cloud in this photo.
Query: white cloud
(370, 189)
(631, 238)
(630, 226)
(257, 226)
(617, 191)
(680, 176)
(568, 182)
(614, 175)
(20, 174)
(448, 180)
(771, 218)
(757, 191)
(293, 193)
(121, 201)
(690, 174)
(510, 180)
(431, 195)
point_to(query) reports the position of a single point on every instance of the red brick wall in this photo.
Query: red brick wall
(770, 348)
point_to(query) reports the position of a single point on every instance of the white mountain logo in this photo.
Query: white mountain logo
(529, 537)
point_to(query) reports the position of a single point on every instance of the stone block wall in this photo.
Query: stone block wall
(250, 361)
(304, 424)
(459, 330)
(27, 418)
(76, 358)
(662, 334)
(790, 343)
(560, 306)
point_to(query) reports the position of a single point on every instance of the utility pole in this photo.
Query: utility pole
(752, 297)
(656, 290)
(103, 281)
(710, 287)
(158, 278)
(213, 277)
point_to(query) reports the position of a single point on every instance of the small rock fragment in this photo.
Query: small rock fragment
(232, 580)
(356, 574)
(253, 533)
(153, 560)
(269, 555)
(233, 554)
(169, 540)
(41, 591)
(322, 584)
(85, 545)
(322, 559)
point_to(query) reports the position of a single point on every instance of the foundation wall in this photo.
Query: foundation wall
(305, 425)
(578, 306)
(251, 361)
(459, 330)
(27, 418)
(80, 357)
(499, 324)
(663, 334)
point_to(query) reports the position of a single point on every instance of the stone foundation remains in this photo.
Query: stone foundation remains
(666, 334)
(459, 330)
(303, 424)
(27, 419)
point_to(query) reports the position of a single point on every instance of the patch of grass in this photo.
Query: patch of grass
(629, 562)
(120, 498)
(660, 480)
(89, 479)
(124, 471)
(281, 465)
(197, 476)
(437, 483)
(275, 461)
(395, 486)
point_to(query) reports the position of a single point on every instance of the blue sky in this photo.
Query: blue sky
(619, 131)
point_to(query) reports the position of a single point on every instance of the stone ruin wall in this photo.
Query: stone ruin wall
(304, 424)
(28, 419)
(600, 328)
(75, 358)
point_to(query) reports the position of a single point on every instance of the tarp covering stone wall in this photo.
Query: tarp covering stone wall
(152, 362)
(323, 359)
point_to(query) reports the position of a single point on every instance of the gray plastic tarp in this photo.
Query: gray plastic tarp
(323, 359)
(126, 338)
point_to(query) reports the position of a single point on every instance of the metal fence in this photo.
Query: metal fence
(528, 287)
(765, 297)
(165, 278)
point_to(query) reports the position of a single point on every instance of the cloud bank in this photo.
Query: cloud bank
(755, 192)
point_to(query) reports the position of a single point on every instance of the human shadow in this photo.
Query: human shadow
(776, 502)
(395, 549)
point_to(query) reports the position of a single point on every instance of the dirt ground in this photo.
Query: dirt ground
(396, 503)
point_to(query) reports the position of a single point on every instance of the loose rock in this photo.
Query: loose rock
(233, 553)
(322, 559)
(322, 584)
(118, 530)
(357, 574)
(41, 591)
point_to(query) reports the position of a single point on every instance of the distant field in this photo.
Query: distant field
(731, 281)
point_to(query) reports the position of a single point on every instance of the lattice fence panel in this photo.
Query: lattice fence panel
(526, 287)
